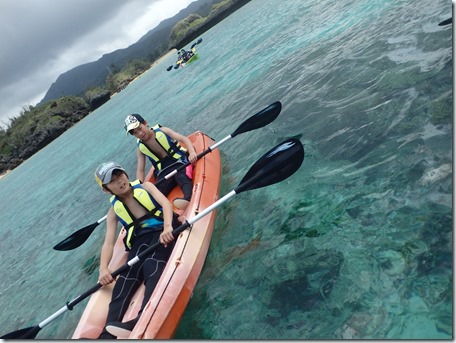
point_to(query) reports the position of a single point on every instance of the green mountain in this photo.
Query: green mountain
(152, 45)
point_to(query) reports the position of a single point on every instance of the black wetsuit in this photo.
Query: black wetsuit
(147, 271)
(180, 178)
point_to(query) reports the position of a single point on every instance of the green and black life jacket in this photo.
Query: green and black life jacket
(153, 218)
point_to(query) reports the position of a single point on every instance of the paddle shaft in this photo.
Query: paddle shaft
(246, 126)
(199, 156)
(101, 220)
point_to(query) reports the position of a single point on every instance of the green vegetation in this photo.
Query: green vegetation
(194, 21)
(182, 27)
(121, 79)
(38, 126)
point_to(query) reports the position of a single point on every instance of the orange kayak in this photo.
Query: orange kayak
(163, 312)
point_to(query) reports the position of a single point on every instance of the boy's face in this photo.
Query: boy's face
(142, 132)
(119, 184)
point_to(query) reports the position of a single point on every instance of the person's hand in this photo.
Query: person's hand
(105, 277)
(167, 235)
(192, 157)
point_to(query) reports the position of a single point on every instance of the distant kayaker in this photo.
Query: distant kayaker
(162, 147)
(148, 217)
(185, 55)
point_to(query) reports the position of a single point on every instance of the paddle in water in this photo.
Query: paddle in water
(446, 22)
(258, 120)
(197, 42)
(177, 65)
(276, 165)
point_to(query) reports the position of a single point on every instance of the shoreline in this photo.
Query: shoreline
(5, 173)
(156, 62)
(153, 65)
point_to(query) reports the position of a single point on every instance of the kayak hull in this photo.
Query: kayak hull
(190, 60)
(162, 314)
(193, 58)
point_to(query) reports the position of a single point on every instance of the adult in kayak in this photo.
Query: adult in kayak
(186, 55)
(183, 56)
(162, 147)
(148, 217)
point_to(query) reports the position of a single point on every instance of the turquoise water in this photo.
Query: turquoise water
(357, 244)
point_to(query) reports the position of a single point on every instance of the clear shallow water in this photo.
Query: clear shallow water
(356, 244)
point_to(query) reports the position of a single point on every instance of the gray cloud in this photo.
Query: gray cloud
(43, 38)
(36, 31)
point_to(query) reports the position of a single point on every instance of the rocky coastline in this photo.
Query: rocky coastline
(41, 137)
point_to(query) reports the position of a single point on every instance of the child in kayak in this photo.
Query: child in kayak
(148, 217)
(161, 145)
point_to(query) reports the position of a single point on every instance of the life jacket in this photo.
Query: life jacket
(171, 146)
(152, 219)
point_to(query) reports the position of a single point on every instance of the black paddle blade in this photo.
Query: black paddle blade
(169, 68)
(276, 165)
(260, 119)
(197, 42)
(28, 333)
(446, 22)
(76, 239)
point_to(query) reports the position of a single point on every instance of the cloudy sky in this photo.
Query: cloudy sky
(41, 39)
